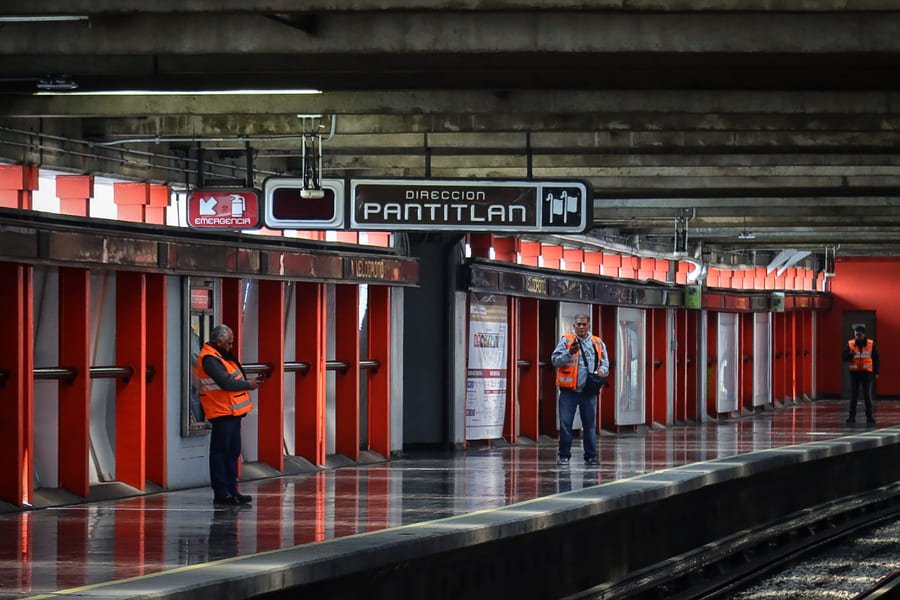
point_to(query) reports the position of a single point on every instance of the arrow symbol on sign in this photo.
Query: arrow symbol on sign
(208, 206)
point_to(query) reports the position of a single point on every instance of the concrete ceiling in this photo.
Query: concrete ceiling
(744, 126)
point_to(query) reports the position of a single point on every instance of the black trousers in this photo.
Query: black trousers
(224, 451)
(861, 380)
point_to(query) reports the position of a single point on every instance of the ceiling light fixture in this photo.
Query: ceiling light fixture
(61, 83)
(183, 92)
(42, 18)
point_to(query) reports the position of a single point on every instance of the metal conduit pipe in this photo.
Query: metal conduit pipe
(526, 364)
(695, 276)
(302, 367)
(90, 144)
(69, 373)
(241, 139)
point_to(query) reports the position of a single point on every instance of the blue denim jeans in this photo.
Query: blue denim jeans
(586, 404)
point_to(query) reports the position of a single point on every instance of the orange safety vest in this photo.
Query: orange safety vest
(862, 360)
(216, 401)
(567, 376)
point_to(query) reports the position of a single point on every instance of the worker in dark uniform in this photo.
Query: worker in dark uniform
(862, 356)
(225, 395)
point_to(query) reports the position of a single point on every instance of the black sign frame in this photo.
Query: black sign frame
(521, 206)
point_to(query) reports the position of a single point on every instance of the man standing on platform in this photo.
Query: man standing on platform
(225, 396)
(862, 356)
(575, 356)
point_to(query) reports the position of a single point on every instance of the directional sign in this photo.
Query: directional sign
(223, 209)
(469, 205)
(289, 206)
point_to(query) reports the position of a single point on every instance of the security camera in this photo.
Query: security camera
(312, 194)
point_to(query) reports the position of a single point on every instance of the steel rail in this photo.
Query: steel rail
(718, 569)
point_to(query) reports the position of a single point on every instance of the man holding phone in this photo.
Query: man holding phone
(576, 355)
(225, 396)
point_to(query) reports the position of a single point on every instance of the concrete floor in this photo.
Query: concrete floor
(62, 548)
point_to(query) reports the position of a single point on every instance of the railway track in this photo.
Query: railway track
(730, 567)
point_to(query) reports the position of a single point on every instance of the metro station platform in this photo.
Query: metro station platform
(177, 544)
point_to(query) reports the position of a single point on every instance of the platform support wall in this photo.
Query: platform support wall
(529, 378)
(74, 395)
(270, 396)
(131, 392)
(310, 392)
(379, 380)
(511, 422)
(17, 393)
(347, 382)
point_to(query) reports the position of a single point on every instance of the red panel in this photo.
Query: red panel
(78, 207)
(16, 396)
(480, 244)
(131, 201)
(347, 383)
(511, 421)
(548, 337)
(232, 309)
(135, 214)
(592, 261)
(14, 177)
(157, 348)
(309, 508)
(310, 393)
(792, 354)
(551, 255)
(379, 381)
(378, 238)
(657, 366)
(378, 498)
(529, 250)
(505, 248)
(73, 536)
(529, 378)
(132, 194)
(158, 196)
(346, 502)
(607, 332)
(128, 541)
(75, 186)
(271, 393)
(712, 360)
(154, 215)
(779, 388)
(269, 502)
(680, 364)
(745, 389)
(347, 237)
(74, 193)
(74, 396)
(131, 394)
(20, 199)
(574, 258)
(692, 369)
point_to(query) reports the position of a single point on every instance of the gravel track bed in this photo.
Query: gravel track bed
(842, 571)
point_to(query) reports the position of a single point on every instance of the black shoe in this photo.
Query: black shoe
(244, 498)
(870, 421)
(226, 501)
(591, 461)
(851, 421)
(562, 460)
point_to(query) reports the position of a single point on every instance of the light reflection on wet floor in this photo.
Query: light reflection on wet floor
(60, 548)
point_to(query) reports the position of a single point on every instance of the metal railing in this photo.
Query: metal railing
(68, 374)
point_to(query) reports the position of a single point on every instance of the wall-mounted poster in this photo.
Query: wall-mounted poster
(486, 379)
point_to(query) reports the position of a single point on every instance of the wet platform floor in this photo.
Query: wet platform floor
(59, 549)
